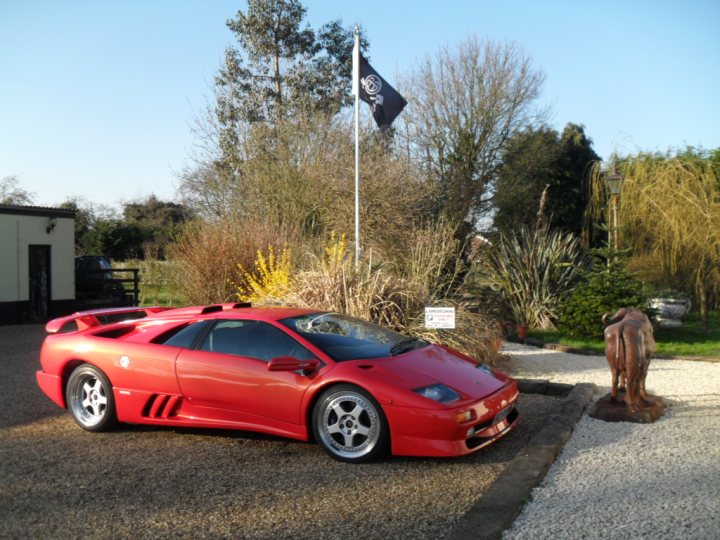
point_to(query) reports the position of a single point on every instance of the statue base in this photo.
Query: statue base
(617, 411)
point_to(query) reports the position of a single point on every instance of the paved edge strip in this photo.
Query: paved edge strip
(497, 509)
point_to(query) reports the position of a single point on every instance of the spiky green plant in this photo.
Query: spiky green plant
(533, 269)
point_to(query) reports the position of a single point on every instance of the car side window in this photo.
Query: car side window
(182, 336)
(253, 339)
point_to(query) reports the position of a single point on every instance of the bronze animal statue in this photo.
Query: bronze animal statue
(629, 345)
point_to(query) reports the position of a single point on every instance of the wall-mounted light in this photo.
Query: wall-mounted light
(52, 221)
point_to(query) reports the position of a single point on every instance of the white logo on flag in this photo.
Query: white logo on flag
(372, 84)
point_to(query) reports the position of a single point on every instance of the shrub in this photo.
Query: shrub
(602, 290)
(270, 280)
(533, 269)
(207, 255)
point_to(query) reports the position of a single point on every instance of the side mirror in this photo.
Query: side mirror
(289, 363)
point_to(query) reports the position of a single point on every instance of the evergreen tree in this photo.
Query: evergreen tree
(541, 157)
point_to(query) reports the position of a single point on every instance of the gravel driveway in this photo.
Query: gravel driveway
(59, 481)
(623, 480)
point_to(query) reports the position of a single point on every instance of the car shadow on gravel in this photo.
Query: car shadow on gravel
(495, 453)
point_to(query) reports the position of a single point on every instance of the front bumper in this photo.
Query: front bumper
(52, 385)
(437, 433)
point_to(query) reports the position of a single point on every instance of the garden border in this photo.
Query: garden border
(535, 342)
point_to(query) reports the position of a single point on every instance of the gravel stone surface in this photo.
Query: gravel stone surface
(62, 482)
(625, 480)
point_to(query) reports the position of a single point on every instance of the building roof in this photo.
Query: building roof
(42, 211)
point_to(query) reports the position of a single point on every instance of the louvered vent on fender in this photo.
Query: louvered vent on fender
(161, 406)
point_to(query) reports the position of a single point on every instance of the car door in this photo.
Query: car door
(229, 370)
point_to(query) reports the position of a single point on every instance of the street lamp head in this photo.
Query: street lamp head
(615, 181)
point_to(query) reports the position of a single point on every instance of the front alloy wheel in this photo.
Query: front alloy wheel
(90, 399)
(350, 425)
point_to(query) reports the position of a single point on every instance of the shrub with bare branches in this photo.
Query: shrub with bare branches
(208, 253)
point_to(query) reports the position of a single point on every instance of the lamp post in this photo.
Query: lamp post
(615, 182)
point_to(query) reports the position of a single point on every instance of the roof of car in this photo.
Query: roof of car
(157, 315)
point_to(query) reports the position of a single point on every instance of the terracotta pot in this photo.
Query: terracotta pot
(522, 330)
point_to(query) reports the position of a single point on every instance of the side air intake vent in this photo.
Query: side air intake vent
(161, 406)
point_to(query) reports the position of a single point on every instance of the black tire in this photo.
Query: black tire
(350, 424)
(90, 399)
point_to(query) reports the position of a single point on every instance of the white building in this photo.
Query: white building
(37, 263)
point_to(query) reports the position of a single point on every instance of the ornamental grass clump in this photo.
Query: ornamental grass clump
(533, 270)
(332, 281)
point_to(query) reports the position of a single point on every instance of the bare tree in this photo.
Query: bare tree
(11, 192)
(466, 103)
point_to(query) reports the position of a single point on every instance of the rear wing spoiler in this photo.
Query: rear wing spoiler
(98, 317)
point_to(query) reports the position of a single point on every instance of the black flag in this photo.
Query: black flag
(385, 101)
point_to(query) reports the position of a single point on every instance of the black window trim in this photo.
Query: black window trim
(200, 338)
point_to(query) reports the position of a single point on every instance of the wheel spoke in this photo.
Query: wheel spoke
(95, 409)
(98, 387)
(338, 410)
(348, 440)
(357, 411)
(362, 430)
(87, 388)
(102, 399)
(86, 402)
(335, 428)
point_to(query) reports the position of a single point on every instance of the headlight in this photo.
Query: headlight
(438, 392)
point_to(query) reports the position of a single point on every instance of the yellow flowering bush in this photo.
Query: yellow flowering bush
(271, 280)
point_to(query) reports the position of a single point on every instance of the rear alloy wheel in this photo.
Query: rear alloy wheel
(90, 399)
(350, 425)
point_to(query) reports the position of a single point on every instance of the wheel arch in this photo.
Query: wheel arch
(68, 368)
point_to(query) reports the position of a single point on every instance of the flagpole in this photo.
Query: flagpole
(356, 91)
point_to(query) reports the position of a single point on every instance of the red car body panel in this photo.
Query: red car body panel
(167, 385)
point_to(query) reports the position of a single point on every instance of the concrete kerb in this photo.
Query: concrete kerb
(497, 509)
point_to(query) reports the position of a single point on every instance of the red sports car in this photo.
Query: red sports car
(358, 389)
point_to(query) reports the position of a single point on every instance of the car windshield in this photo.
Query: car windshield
(346, 338)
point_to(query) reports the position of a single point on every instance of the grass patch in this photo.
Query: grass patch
(154, 295)
(688, 340)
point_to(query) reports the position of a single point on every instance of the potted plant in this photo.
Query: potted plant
(521, 320)
(522, 330)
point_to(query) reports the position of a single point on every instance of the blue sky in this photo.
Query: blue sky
(98, 98)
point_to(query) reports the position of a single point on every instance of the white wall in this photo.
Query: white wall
(17, 232)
